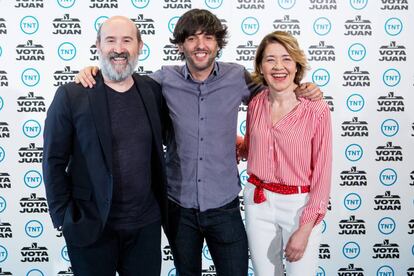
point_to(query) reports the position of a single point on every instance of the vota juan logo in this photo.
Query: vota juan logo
(142, 71)
(145, 25)
(177, 4)
(391, 103)
(356, 77)
(323, 5)
(386, 250)
(389, 152)
(5, 230)
(34, 254)
(251, 4)
(392, 52)
(287, 24)
(324, 251)
(167, 253)
(4, 82)
(354, 128)
(412, 178)
(29, 4)
(394, 5)
(171, 53)
(4, 130)
(352, 226)
(30, 52)
(411, 227)
(330, 101)
(64, 76)
(33, 205)
(5, 182)
(31, 154)
(321, 52)
(351, 270)
(68, 272)
(31, 103)
(66, 26)
(246, 52)
(241, 200)
(353, 177)
(358, 27)
(3, 27)
(387, 202)
(103, 4)
(210, 271)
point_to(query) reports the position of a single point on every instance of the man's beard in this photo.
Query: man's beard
(108, 70)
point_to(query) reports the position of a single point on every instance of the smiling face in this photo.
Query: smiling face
(118, 48)
(200, 51)
(278, 68)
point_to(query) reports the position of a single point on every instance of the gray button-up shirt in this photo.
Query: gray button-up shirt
(201, 159)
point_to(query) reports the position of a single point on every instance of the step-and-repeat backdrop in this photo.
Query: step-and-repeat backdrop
(361, 54)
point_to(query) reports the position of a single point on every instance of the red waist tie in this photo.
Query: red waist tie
(259, 195)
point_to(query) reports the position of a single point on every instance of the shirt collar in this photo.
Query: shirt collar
(215, 72)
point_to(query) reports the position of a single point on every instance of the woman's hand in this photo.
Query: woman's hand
(86, 76)
(296, 246)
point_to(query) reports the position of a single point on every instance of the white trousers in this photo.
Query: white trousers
(269, 226)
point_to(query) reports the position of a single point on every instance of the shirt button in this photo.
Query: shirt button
(202, 99)
(201, 139)
(201, 158)
(199, 180)
(202, 118)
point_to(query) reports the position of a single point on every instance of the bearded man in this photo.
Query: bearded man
(103, 162)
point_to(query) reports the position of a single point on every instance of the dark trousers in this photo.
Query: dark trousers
(130, 252)
(224, 232)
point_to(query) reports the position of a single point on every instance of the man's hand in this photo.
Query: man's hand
(241, 151)
(296, 246)
(86, 76)
(310, 91)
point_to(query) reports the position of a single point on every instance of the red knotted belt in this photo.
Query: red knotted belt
(259, 195)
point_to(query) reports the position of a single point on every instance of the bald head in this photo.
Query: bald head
(117, 21)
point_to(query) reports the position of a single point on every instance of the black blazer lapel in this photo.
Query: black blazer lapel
(99, 106)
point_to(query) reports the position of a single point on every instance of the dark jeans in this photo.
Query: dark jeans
(224, 232)
(131, 252)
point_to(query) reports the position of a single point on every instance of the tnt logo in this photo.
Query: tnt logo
(167, 253)
(393, 26)
(3, 28)
(351, 250)
(390, 127)
(33, 228)
(213, 4)
(351, 270)
(3, 253)
(390, 103)
(66, 26)
(4, 129)
(388, 177)
(31, 154)
(66, 3)
(33, 204)
(358, 4)
(355, 128)
(392, 52)
(3, 82)
(64, 253)
(322, 26)
(394, 5)
(30, 51)
(144, 53)
(250, 272)
(352, 226)
(246, 52)
(210, 271)
(29, 25)
(352, 201)
(357, 52)
(68, 272)
(321, 77)
(31, 103)
(354, 152)
(172, 22)
(242, 128)
(389, 152)
(2, 154)
(287, 24)
(30, 77)
(321, 52)
(386, 250)
(323, 5)
(177, 4)
(323, 226)
(140, 4)
(5, 182)
(64, 76)
(324, 251)
(5, 230)
(29, 4)
(206, 253)
(385, 270)
(251, 4)
(32, 179)
(356, 78)
(286, 4)
(171, 53)
(391, 77)
(31, 128)
(355, 102)
(358, 27)
(387, 202)
(173, 272)
(66, 51)
(3, 204)
(386, 225)
(142, 71)
(250, 25)
(34, 253)
(103, 4)
(98, 22)
(145, 25)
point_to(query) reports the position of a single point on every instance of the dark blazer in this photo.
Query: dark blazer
(77, 157)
